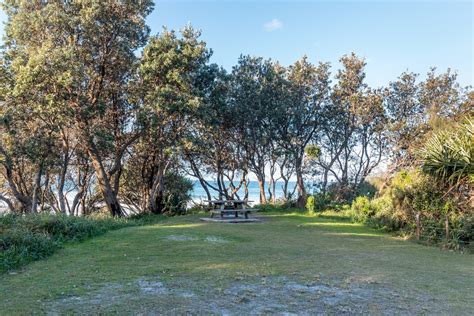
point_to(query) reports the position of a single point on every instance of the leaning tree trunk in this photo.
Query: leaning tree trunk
(156, 193)
(198, 175)
(23, 199)
(110, 197)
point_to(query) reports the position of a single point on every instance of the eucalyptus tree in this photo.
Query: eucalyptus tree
(76, 59)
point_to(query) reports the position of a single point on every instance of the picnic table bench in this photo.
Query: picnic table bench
(233, 207)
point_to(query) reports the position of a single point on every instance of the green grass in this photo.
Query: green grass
(36, 236)
(200, 262)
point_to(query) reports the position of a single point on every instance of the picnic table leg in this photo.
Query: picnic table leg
(246, 214)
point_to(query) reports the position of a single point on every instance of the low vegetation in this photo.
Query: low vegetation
(28, 238)
(433, 202)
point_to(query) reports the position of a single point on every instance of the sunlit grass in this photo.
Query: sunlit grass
(292, 244)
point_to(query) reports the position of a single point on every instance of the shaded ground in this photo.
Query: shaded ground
(288, 264)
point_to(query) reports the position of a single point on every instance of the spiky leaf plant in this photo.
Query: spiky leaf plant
(449, 155)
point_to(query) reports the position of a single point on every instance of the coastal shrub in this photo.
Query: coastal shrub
(310, 206)
(31, 237)
(177, 193)
(411, 194)
(362, 210)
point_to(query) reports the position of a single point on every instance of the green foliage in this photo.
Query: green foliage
(361, 209)
(367, 189)
(410, 194)
(312, 151)
(449, 154)
(279, 205)
(310, 206)
(177, 193)
(32, 237)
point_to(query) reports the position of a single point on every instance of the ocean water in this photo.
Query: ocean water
(199, 194)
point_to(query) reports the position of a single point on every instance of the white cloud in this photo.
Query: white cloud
(273, 25)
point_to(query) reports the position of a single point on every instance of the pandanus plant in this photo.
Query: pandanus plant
(449, 155)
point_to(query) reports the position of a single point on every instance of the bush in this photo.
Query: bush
(362, 210)
(310, 206)
(32, 237)
(410, 194)
(177, 193)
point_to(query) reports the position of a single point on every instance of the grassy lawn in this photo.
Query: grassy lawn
(289, 263)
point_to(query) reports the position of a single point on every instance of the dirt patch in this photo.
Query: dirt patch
(266, 295)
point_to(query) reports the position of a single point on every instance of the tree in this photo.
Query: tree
(352, 137)
(256, 97)
(166, 88)
(76, 58)
(406, 118)
(310, 87)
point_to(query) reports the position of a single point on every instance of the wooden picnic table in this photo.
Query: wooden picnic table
(235, 207)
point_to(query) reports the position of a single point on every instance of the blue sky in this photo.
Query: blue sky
(393, 36)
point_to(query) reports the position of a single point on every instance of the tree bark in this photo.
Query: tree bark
(301, 202)
(36, 187)
(156, 193)
(8, 202)
(23, 199)
(62, 181)
(106, 189)
(261, 185)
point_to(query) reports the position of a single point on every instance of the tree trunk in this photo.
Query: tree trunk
(112, 202)
(44, 194)
(36, 187)
(23, 199)
(105, 187)
(261, 185)
(246, 190)
(198, 175)
(301, 202)
(418, 226)
(62, 181)
(8, 202)
(156, 193)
